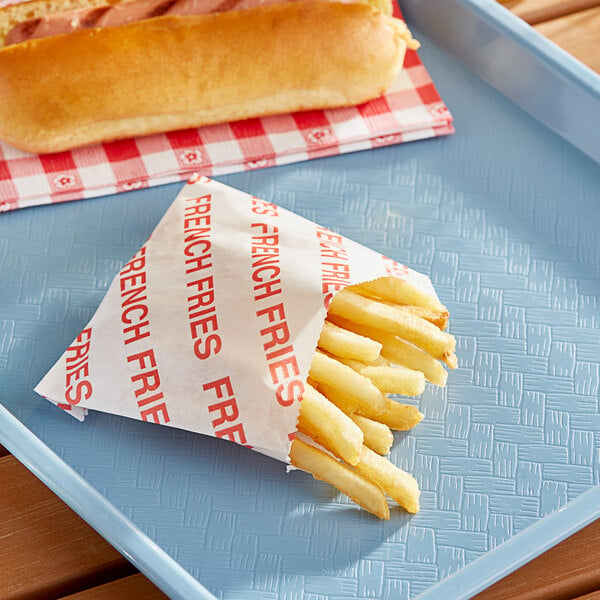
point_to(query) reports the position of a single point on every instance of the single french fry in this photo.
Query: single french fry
(399, 291)
(327, 370)
(395, 482)
(396, 380)
(438, 318)
(451, 361)
(434, 313)
(345, 402)
(377, 436)
(347, 344)
(326, 424)
(401, 352)
(399, 416)
(396, 320)
(378, 362)
(326, 468)
(390, 379)
(395, 415)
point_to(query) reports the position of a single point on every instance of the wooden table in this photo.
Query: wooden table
(574, 25)
(48, 552)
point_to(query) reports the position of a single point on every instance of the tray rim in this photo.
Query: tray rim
(528, 36)
(535, 53)
(518, 550)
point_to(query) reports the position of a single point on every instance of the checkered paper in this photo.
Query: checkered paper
(411, 110)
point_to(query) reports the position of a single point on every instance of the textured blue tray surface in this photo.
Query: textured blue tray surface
(504, 216)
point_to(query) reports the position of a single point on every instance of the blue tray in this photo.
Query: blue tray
(504, 217)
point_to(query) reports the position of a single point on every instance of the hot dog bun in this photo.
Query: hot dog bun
(173, 72)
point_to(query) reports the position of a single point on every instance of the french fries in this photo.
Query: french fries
(324, 467)
(381, 337)
(329, 371)
(399, 291)
(400, 352)
(395, 319)
(377, 436)
(347, 344)
(395, 415)
(390, 379)
(451, 361)
(396, 291)
(325, 423)
(395, 482)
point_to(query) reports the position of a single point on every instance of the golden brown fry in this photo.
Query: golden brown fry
(351, 404)
(396, 320)
(451, 361)
(328, 371)
(396, 483)
(377, 436)
(404, 353)
(326, 468)
(395, 415)
(326, 424)
(347, 344)
(426, 307)
(401, 352)
(396, 380)
(399, 416)
(439, 319)
(399, 291)
(390, 379)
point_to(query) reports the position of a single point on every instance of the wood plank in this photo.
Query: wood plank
(134, 586)
(569, 569)
(578, 34)
(3, 450)
(538, 11)
(46, 549)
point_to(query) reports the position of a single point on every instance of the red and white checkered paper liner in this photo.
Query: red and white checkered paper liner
(411, 110)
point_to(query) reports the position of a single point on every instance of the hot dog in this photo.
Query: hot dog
(120, 13)
(108, 71)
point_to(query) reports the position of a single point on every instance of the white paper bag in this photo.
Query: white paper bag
(211, 327)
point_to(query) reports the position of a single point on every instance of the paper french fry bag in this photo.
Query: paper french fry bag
(211, 327)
